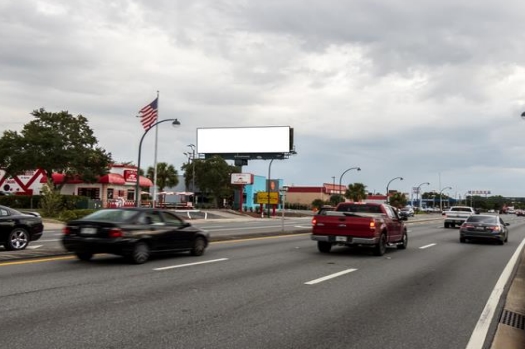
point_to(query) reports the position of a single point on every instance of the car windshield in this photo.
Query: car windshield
(112, 215)
(482, 219)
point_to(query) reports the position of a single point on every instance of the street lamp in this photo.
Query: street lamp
(283, 191)
(192, 146)
(342, 174)
(387, 196)
(418, 189)
(441, 199)
(175, 122)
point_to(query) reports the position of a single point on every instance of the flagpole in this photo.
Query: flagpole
(155, 158)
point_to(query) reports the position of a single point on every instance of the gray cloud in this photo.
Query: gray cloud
(428, 91)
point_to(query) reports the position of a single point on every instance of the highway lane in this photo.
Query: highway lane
(259, 294)
(217, 228)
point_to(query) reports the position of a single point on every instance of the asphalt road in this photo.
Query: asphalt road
(277, 292)
(219, 228)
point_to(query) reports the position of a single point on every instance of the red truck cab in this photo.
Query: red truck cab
(362, 224)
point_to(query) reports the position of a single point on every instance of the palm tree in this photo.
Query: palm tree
(356, 192)
(167, 175)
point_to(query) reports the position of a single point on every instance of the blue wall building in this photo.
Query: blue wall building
(250, 194)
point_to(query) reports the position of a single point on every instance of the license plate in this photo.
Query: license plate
(88, 231)
(340, 238)
(480, 228)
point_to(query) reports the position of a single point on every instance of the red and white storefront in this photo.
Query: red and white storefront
(115, 189)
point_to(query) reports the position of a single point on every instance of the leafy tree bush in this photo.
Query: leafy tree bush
(51, 201)
(69, 215)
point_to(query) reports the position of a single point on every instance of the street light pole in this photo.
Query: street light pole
(175, 122)
(283, 191)
(418, 190)
(387, 196)
(342, 174)
(192, 146)
(441, 199)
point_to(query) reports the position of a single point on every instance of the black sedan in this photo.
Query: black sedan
(484, 227)
(17, 228)
(134, 233)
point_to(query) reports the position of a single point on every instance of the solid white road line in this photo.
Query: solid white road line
(426, 246)
(191, 264)
(477, 339)
(328, 277)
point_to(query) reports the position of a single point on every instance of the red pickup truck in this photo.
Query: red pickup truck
(362, 224)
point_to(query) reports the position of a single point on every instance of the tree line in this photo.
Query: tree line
(59, 142)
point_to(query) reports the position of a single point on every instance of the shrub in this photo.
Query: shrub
(69, 215)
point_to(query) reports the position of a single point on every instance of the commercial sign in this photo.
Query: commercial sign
(272, 185)
(479, 192)
(130, 176)
(241, 178)
(262, 198)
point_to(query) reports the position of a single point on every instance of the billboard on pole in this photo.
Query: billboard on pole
(245, 142)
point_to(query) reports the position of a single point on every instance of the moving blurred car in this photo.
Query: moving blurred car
(17, 228)
(134, 233)
(406, 212)
(486, 227)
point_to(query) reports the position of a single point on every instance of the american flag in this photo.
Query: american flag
(148, 115)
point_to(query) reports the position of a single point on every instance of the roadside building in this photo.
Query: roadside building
(117, 188)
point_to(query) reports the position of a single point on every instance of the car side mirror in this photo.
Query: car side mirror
(507, 223)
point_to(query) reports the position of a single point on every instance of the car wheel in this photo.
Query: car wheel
(507, 238)
(462, 240)
(199, 245)
(380, 248)
(84, 256)
(18, 239)
(324, 246)
(446, 225)
(140, 253)
(404, 242)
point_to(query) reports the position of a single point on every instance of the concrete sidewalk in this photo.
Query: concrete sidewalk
(510, 333)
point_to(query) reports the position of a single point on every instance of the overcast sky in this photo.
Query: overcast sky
(431, 91)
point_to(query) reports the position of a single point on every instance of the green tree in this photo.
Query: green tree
(335, 199)
(54, 142)
(167, 175)
(356, 192)
(212, 177)
(317, 204)
(398, 200)
(51, 201)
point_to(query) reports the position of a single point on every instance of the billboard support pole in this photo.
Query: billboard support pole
(268, 185)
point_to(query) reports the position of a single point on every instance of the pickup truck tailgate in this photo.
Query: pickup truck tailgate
(347, 226)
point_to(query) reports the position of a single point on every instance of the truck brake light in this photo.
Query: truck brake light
(314, 221)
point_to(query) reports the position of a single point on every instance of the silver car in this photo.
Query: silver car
(484, 227)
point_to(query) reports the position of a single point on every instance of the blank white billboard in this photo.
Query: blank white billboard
(235, 140)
